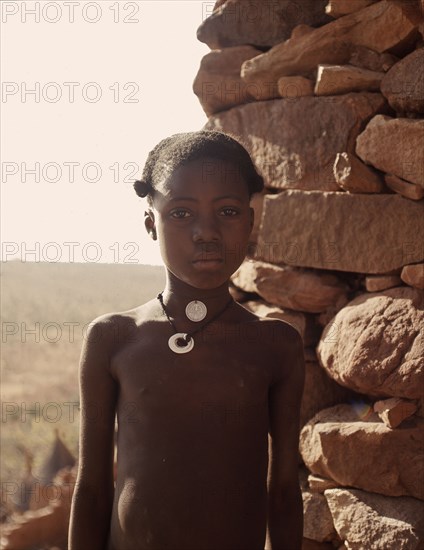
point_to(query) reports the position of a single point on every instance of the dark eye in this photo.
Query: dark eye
(180, 213)
(229, 211)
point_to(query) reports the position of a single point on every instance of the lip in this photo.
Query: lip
(210, 263)
(208, 258)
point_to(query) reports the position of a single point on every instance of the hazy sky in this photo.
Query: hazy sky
(88, 88)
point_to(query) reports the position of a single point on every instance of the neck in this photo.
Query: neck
(177, 294)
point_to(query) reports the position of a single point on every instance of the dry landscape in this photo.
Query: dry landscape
(39, 376)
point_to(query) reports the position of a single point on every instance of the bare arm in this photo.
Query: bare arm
(285, 507)
(93, 496)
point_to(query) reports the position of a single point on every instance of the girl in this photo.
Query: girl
(196, 381)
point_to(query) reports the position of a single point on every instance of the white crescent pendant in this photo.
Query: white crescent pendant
(174, 341)
(196, 310)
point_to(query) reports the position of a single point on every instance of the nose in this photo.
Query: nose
(206, 230)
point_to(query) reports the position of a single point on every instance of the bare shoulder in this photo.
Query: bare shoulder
(283, 347)
(112, 330)
(281, 333)
(103, 339)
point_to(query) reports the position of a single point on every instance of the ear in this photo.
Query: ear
(149, 223)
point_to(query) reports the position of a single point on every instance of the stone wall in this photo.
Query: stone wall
(328, 96)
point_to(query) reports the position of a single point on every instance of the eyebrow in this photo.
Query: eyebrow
(236, 197)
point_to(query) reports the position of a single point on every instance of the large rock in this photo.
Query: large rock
(404, 188)
(374, 346)
(317, 519)
(403, 85)
(394, 411)
(379, 27)
(257, 22)
(395, 146)
(218, 84)
(341, 231)
(362, 452)
(375, 522)
(376, 283)
(295, 142)
(354, 176)
(341, 79)
(285, 286)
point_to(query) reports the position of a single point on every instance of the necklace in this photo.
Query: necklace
(181, 342)
(196, 310)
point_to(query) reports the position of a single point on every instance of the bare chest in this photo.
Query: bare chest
(212, 384)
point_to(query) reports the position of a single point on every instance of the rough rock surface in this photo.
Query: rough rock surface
(354, 176)
(294, 156)
(318, 484)
(317, 522)
(394, 411)
(338, 8)
(374, 522)
(341, 231)
(403, 85)
(257, 22)
(369, 59)
(379, 27)
(373, 345)
(341, 79)
(360, 451)
(218, 84)
(405, 188)
(292, 87)
(301, 30)
(376, 283)
(413, 275)
(395, 146)
(297, 289)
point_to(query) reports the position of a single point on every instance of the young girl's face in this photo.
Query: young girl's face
(203, 221)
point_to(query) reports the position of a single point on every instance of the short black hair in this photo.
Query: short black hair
(180, 149)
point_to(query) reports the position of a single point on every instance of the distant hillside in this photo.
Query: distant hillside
(53, 291)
